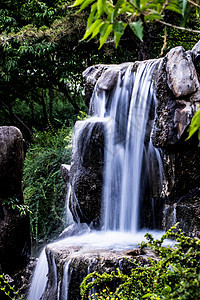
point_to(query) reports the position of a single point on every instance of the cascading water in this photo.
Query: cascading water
(125, 112)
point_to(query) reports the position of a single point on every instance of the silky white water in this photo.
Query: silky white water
(125, 111)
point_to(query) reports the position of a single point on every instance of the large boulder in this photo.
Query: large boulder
(14, 226)
(69, 264)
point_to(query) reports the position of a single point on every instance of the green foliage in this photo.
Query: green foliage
(43, 184)
(14, 203)
(8, 289)
(108, 16)
(174, 274)
(195, 125)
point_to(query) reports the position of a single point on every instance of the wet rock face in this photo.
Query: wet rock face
(106, 75)
(64, 279)
(14, 228)
(11, 161)
(181, 73)
(86, 173)
(178, 95)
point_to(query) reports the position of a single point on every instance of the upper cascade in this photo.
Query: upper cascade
(125, 110)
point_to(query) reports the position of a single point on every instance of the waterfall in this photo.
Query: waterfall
(39, 280)
(126, 112)
(129, 156)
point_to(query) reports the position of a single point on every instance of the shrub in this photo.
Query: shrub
(43, 184)
(175, 274)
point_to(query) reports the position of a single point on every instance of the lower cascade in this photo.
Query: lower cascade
(116, 179)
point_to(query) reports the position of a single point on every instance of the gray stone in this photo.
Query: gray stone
(81, 262)
(183, 116)
(181, 74)
(14, 227)
(65, 172)
(11, 161)
(105, 76)
(86, 173)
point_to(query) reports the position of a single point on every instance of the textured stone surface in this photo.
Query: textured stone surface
(14, 228)
(181, 73)
(105, 76)
(81, 263)
(86, 173)
(11, 161)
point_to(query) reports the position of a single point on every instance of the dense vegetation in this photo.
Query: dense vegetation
(173, 274)
(44, 188)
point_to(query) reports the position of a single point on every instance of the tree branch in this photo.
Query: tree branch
(194, 3)
(178, 27)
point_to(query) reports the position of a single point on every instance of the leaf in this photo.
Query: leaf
(115, 11)
(103, 27)
(137, 3)
(92, 14)
(173, 7)
(137, 28)
(85, 4)
(77, 2)
(195, 124)
(183, 5)
(117, 37)
(96, 30)
(153, 17)
(118, 27)
(89, 31)
(104, 37)
(100, 7)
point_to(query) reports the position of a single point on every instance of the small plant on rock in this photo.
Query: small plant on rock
(175, 274)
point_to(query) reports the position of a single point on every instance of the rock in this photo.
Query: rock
(65, 172)
(181, 74)
(14, 227)
(11, 161)
(183, 116)
(105, 76)
(86, 173)
(69, 265)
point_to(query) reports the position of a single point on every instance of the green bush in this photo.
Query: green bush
(175, 274)
(43, 184)
(8, 289)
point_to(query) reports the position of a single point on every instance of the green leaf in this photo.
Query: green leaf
(103, 27)
(137, 2)
(96, 30)
(90, 30)
(104, 37)
(100, 7)
(195, 124)
(117, 37)
(85, 4)
(77, 2)
(118, 27)
(137, 28)
(153, 17)
(115, 11)
(92, 14)
(174, 7)
(183, 5)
